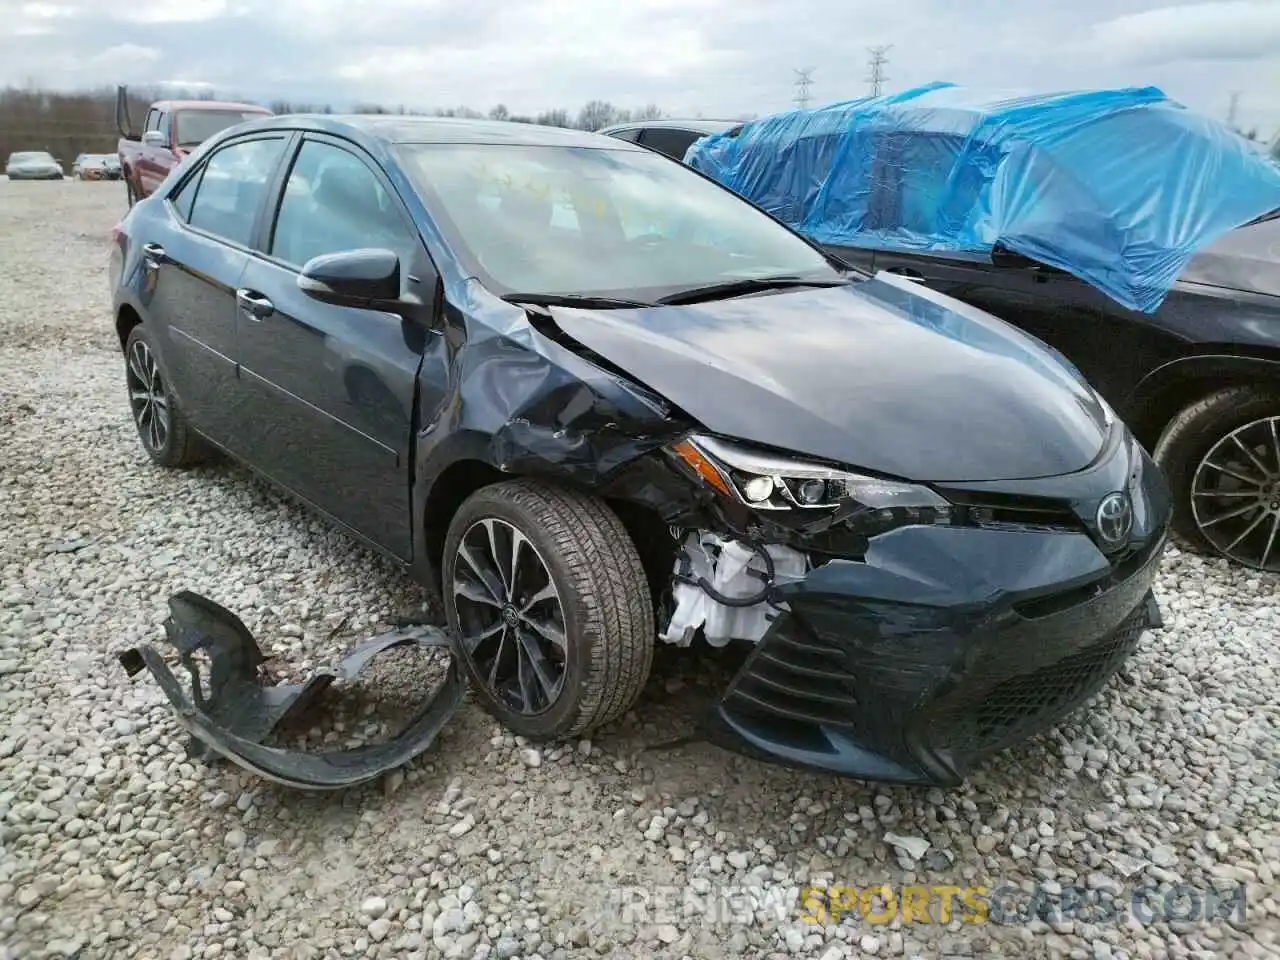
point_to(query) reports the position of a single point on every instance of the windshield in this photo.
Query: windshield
(553, 220)
(30, 156)
(197, 126)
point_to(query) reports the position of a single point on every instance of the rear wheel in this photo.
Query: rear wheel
(548, 600)
(1222, 458)
(162, 428)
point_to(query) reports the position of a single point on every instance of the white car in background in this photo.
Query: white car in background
(32, 165)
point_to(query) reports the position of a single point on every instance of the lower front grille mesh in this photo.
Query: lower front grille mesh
(981, 718)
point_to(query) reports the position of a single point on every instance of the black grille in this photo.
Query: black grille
(984, 718)
(1013, 510)
(796, 677)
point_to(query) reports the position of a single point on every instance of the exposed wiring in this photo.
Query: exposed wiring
(683, 575)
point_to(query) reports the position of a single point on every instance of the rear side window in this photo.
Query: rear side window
(231, 188)
(674, 143)
(631, 135)
(333, 202)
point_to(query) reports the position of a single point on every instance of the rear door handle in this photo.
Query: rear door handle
(254, 304)
(154, 254)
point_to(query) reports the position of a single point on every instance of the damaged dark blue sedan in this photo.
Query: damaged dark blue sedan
(600, 402)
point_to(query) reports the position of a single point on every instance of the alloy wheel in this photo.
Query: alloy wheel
(510, 616)
(147, 397)
(1235, 495)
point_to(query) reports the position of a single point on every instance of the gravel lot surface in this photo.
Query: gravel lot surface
(113, 843)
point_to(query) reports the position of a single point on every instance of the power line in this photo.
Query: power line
(877, 63)
(804, 79)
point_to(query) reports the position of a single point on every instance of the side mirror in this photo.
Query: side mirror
(368, 278)
(154, 138)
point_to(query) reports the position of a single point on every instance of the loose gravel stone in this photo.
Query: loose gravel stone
(114, 843)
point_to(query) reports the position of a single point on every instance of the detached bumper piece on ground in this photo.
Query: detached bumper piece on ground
(240, 712)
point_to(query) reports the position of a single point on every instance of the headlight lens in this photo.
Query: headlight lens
(766, 481)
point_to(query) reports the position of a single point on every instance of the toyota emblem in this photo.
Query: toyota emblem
(1115, 518)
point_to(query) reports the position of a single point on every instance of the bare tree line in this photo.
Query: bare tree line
(68, 124)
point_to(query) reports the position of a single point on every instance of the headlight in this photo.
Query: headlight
(765, 481)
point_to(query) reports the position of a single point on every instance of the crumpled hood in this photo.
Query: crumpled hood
(882, 375)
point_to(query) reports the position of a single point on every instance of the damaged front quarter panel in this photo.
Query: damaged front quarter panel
(239, 712)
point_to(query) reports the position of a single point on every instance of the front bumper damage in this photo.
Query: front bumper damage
(940, 648)
(239, 711)
(915, 653)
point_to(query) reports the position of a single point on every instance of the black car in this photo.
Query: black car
(598, 399)
(669, 137)
(1198, 381)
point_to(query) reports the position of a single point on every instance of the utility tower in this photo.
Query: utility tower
(877, 64)
(1233, 109)
(804, 79)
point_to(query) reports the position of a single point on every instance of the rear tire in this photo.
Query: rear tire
(1194, 447)
(162, 427)
(130, 197)
(577, 556)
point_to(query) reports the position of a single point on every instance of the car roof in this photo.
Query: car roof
(700, 125)
(394, 128)
(171, 105)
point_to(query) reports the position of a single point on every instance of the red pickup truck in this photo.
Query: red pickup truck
(171, 130)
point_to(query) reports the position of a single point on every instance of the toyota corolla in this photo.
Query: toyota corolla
(600, 402)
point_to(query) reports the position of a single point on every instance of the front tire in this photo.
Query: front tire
(162, 428)
(1221, 456)
(549, 606)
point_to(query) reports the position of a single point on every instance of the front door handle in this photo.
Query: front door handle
(254, 304)
(154, 254)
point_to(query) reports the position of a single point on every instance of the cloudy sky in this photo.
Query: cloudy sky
(709, 57)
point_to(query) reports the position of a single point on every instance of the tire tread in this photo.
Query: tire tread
(609, 586)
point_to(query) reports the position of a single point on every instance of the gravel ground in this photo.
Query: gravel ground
(115, 844)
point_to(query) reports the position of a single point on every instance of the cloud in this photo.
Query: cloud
(714, 57)
(1235, 30)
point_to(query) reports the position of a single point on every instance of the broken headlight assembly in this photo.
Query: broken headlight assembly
(771, 482)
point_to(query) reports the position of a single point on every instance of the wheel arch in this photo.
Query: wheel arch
(472, 470)
(126, 319)
(1173, 386)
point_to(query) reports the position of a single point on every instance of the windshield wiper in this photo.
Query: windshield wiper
(585, 301)
(733, 288)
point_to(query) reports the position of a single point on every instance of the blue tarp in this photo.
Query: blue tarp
(1118, 187)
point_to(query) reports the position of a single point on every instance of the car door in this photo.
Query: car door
(194, 262)
(333, 387)
(153, 164)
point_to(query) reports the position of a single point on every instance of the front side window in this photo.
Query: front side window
(334, 202)
(231, 188)
(606, 222)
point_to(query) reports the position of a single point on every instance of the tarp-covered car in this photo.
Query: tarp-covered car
(1137, 237)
